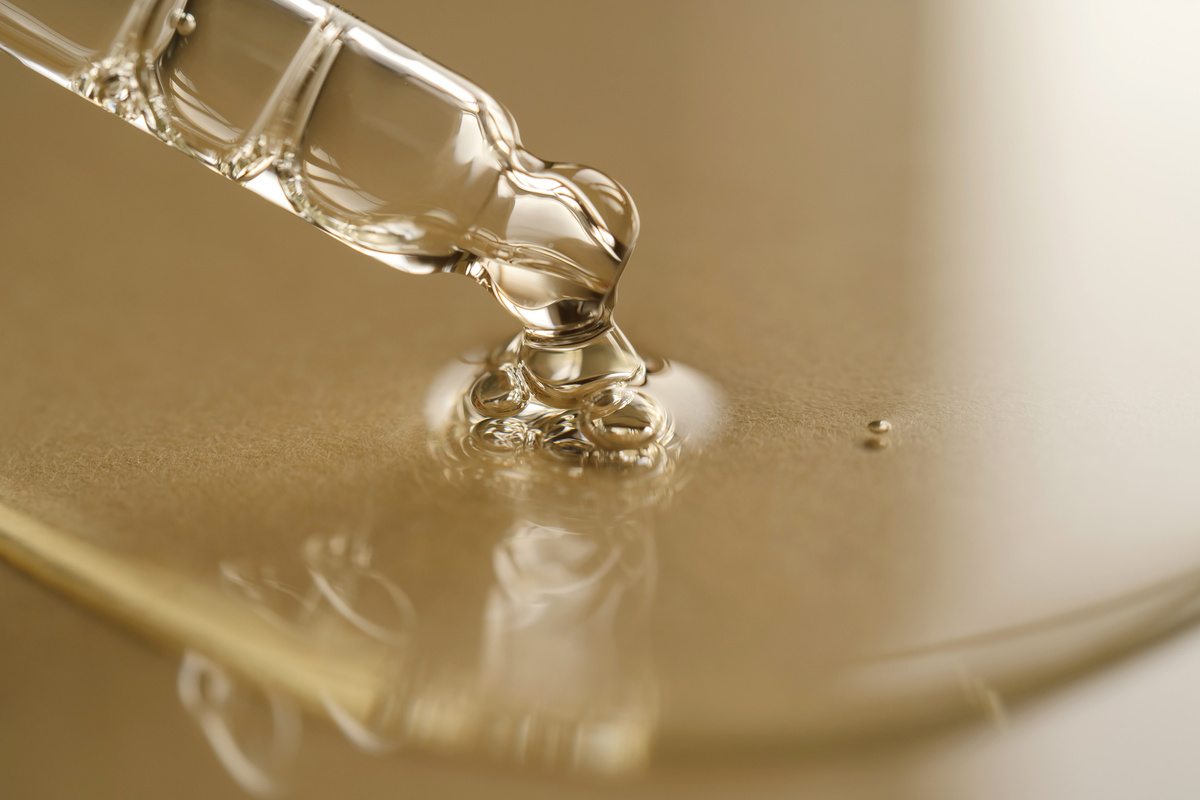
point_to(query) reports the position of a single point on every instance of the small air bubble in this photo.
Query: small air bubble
(183, 22)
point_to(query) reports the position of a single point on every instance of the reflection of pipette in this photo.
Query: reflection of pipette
(564, 676)
(360, 135)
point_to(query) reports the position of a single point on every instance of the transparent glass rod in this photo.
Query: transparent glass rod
(367, 139)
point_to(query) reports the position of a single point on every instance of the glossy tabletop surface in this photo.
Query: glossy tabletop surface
(977, 224)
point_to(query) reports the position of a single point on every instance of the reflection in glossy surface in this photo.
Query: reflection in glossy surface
(339, 601)
(258, 758)
(244, 396)
(563, 675)
(562, 678)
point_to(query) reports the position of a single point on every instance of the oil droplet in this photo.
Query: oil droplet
(558, 436)
(500, 435)
(500, 392)
(607, 400)
(879, 426)
(617, 418)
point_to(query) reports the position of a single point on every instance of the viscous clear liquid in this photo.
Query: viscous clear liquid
(372, 142)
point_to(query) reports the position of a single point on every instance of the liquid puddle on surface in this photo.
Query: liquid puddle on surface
(406, 162)
(565, 427)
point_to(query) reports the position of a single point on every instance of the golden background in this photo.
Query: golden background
(976, 223)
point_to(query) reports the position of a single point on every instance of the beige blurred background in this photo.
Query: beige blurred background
(975, 221)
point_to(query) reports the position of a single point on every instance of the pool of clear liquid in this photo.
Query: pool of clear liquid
(226, 417)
